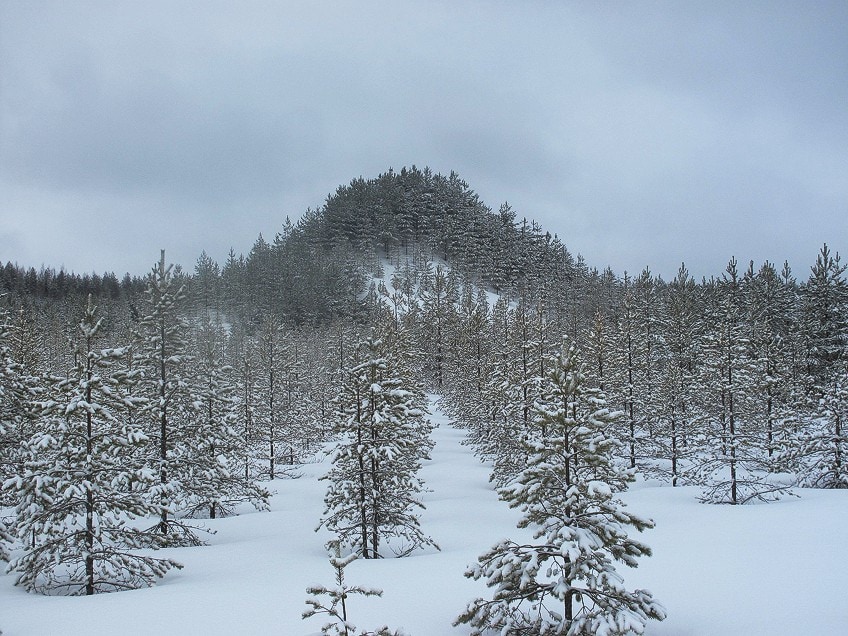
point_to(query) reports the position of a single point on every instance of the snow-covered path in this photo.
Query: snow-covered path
(773, 570)
(465, 517)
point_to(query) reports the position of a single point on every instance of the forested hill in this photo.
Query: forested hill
(315, 269)
(399, 212)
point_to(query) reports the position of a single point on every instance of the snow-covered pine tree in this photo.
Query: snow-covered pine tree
(374, 487)
(513, 387)
(565, 582)
(636, 369)
(438, 316)
(6, 541)
(78, 493)
(464, 396)
(503, 442)
(733, 465)
(773, 337)
(599, 351)
(680, 327)
(336, 610)
(206, 289)
(825, 297)
(821, 449)
(530, 331)
(214, 459)
(626, 343)
(161, 352)
(26, 340)
(493, 415)
(298, 419)
(321, 384)
(651, 352)
(17, 391)
(241, 351)
(269, 403)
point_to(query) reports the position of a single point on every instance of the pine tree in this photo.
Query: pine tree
(822, 448)
(213, 460)
(18, 389)
(340, 624)
(530, 334)
(268, 416)
(298, 420)
(733, 465)
(566, 582)
(6, 541)
(627, 348)
(79, 490)
(437, 316)
(162, 355)
(373, 487)
(651, 354)
(825, 300)
(772, 338)
(464, 397)
(241, 351)
(676, 386)
(503, 443)
(206, 288)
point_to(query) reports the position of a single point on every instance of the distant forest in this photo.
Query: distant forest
(738, 383)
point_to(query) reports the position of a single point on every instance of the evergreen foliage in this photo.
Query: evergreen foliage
(215, 483)
(17, 392)
(6, 540)
(162, 356)
(79, 492)
(373, 488)
(820, 448)
(733, 467)
(240, 371)
(336, 610)
(566, 582)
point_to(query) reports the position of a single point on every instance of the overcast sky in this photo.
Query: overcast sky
(642, 133)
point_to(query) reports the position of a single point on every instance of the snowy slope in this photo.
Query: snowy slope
(767, 569)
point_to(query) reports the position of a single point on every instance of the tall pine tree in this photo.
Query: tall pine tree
(161, 351)
(374, 489)
(79, 491)
(566, 582)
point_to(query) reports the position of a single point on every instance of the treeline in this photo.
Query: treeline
(399, 212)
(17, 282)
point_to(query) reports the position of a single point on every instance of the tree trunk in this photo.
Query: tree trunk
(89, 498)
(163, 424)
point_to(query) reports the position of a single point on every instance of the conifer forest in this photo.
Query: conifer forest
(139, 413)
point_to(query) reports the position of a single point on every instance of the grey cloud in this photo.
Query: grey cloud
(643, 134)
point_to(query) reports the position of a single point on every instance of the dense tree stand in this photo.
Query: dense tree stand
(79, 494)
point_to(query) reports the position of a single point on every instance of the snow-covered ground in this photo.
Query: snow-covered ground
(772, 569)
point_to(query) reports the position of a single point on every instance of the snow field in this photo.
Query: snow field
(772, 569)
(764, 569)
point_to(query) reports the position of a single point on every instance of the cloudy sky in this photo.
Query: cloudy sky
(642, 133)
